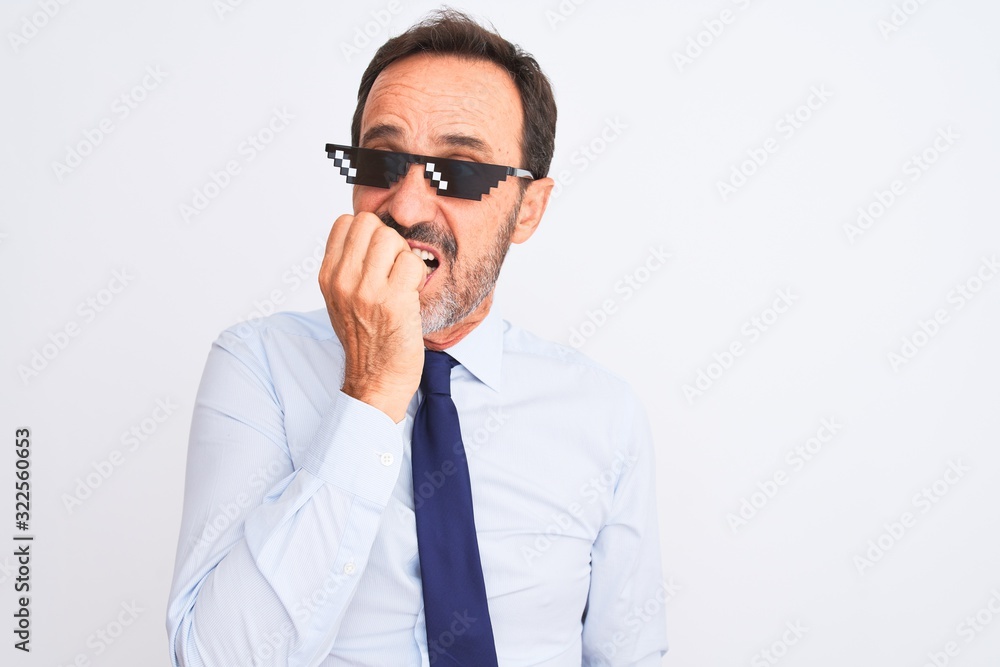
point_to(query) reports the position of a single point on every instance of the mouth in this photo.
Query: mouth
(428, 255)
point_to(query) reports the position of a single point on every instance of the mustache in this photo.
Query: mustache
(424, 232)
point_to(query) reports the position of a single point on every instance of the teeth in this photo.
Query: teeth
(422, 254)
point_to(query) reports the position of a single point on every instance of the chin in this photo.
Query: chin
(435, 316)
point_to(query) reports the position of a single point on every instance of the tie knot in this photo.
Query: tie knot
(436, 378)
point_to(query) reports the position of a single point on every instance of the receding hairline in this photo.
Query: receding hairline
(450, 32)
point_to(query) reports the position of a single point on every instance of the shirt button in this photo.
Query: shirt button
(387, 459)
(350, 568)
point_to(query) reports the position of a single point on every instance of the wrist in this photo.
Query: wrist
(392, 404)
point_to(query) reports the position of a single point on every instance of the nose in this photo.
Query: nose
(412, 199)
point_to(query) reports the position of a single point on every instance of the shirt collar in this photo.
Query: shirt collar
(481, 351)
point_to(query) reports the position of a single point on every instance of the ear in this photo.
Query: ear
(533, 204)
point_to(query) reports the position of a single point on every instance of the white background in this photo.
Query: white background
(683, 127)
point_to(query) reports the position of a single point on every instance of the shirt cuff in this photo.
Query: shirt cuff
(357, 448)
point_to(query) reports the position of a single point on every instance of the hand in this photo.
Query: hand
(371, 282)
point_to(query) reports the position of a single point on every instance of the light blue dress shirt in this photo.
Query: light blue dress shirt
(298, 544)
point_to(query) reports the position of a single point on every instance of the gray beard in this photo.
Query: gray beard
(457, 298)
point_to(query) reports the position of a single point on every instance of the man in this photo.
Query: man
(355, 496)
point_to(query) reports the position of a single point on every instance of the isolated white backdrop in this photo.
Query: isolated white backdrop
(662, 134)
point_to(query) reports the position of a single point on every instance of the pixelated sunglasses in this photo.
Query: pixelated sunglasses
(452, 178)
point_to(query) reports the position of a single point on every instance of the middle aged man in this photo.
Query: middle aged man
(357, 496)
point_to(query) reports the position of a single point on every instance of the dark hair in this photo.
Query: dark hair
(451, 32)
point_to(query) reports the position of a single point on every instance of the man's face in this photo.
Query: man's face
(447, 107)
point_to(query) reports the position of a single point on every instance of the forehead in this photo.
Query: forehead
(432, 99)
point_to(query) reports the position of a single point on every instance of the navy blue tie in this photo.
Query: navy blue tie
(459, 632)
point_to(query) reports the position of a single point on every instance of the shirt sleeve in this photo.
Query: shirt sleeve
(624, 621)
(271, 550)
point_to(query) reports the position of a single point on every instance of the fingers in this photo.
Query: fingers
(367, 259)
(356, 244)
(347, 247)
(408, 271)
(373, 253)
(383, 247)
(334, 248)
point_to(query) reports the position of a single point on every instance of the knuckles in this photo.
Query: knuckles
(388, 240)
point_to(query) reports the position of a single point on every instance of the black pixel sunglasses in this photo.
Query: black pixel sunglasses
(452, 178)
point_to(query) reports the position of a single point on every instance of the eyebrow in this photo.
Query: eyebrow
(381, 131)
(467, 141)
(453, 140)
